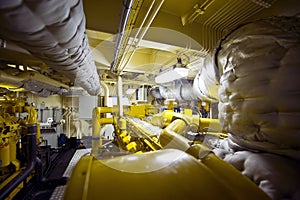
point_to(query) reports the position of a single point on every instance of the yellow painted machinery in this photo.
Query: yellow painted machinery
(18, 137)
(141, 110)
(162, 163)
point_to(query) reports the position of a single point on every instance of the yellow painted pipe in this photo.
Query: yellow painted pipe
(170, 137)
(97, 122)
(210, 124)
(231, 176)
(206, 124)
(227, 173)
(105, 109)
(106, 121)
(178, 126)
(198, 150)
(32, 114)
(95, 131)
(163, 119)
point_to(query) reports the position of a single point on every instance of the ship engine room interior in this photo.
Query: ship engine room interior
(149, 99)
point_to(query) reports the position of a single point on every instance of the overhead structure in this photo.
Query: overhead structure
(197, 10)
(126, 46)
(178, 71)
(144, 36)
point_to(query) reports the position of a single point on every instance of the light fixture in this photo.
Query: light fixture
(171, 75)
(178, 71)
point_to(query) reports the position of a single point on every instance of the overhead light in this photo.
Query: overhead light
(171, 75)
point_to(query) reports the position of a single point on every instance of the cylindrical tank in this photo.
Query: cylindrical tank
(163, 174)
(4, 153)
(38, 133)
(12, 148)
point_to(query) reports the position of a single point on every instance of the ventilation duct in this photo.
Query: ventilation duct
(176, 72)
(53, 31)
(155, 92)
(171, 75)
(206, 82)
(183, 91)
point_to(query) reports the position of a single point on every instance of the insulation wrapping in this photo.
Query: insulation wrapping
(260, 87)
(53, 31)
(206, 82)
(278, 176)
(183, 91)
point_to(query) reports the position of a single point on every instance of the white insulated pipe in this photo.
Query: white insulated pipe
(120, 96)
(105, 91)
(53, 31)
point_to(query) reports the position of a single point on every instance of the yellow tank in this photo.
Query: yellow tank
(160, 175)
(12, 147)
(4, 152)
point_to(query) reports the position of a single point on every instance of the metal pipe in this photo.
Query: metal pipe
(144, 94)
(31, 156)
(137, 33)
(96, 126)
(125, 81)
(66, 112)
(66, 49)
(149, 22)
(122, 26)
(32, 114)
(171, 136)
(68, 124)
(106, 92)
(9, 78)
(39, 169)
(120, 96)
